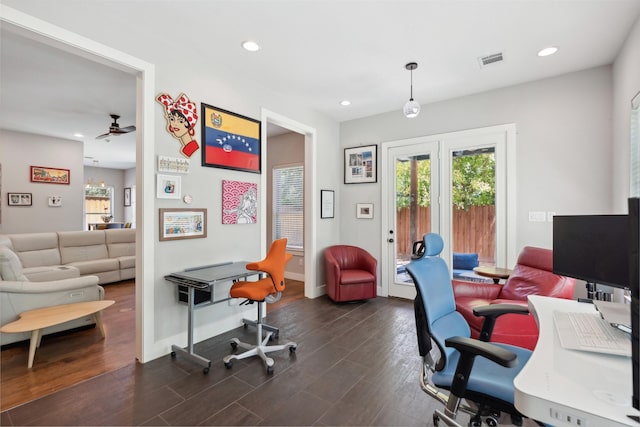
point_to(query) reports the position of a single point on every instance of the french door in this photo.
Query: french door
(455, 185)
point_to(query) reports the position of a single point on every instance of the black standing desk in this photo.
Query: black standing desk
(195, 288)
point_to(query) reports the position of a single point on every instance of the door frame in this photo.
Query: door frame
(144, 72)
(505, 241)
(310, 203)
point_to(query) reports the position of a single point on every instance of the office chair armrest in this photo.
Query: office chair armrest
(470, 348)
(492, 312)
(473, 347)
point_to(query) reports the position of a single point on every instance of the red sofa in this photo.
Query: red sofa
(532, 275)
(351, 273)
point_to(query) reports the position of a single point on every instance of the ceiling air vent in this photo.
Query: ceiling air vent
(491, 59)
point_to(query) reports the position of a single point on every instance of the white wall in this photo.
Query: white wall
(626, 83)
(563, 149)
(212, 80)
(19, 151)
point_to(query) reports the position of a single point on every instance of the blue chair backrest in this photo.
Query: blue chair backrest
(432, 280)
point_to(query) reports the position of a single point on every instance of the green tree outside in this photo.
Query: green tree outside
(474, 178)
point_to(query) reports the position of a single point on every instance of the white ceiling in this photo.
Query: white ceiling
(315, 52)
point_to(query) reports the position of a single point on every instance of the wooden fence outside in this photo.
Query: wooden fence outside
(474, 230)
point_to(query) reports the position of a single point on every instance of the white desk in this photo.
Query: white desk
(557, 383)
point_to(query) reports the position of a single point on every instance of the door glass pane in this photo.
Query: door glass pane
(473, 189)
(413, 208)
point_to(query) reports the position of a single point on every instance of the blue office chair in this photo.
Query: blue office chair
(451, 364)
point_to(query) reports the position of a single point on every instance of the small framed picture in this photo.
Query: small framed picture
(364, 210)
(168, 187)
(55, 201)
(19, 199)
(127, 196)
(326, 203)
(179, 223)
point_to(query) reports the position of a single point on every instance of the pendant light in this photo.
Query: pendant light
(411, 108)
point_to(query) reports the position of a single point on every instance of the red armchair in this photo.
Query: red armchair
(351, 273)
(532, 275)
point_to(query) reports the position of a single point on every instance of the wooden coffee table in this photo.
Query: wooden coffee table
(35, 321)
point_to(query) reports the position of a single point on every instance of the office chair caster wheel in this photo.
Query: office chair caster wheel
(228, 365)
(491, 422)
(269, 370)
(475, 422)
(292, 349)
(173, 354)
(234, 345)
(205, 371)
(436, 420)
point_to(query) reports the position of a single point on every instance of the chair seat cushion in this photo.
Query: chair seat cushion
(355, 277)
(486, 377)
(254, 291)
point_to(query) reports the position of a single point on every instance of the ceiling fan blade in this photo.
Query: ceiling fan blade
(103, 136)
(128, 129)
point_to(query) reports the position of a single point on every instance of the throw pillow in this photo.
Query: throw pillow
(465, 261)
(10, 266)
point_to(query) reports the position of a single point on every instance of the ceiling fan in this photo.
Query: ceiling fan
(115, 129)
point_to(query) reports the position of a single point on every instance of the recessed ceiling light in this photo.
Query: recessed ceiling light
(345, 102)
(251, 46)
(78, 135)
(548, 51)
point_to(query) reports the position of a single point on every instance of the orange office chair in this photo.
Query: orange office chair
(268, 289)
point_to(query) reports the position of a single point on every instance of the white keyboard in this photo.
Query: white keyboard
(590, 332)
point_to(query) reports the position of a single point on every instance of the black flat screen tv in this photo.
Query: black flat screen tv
(634, 286)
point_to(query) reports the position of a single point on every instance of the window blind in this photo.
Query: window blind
(288, 205)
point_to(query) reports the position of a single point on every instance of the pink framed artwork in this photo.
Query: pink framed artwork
(239, 202)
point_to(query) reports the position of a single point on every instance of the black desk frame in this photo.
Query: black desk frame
(204, 278)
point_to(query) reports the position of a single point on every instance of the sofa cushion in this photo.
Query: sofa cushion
(50, 273)
(10, 267)
(79, 246)
(465, 261)
(121, 242)
(36, 249)
(96, 266)
(127, 262)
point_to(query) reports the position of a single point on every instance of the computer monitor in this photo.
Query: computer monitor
(634, 286)
(604, 249)
(593, 248)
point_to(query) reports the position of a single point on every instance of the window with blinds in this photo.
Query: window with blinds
(288, 205)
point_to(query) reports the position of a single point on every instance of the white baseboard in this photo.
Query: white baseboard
(294, 276)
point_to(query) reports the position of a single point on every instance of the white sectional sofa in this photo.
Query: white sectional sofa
(47, 269)
(108, 254)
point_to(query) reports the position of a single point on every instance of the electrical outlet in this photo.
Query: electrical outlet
(537, 216)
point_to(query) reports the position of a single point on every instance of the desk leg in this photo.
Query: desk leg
(205, 363)
(33, 344)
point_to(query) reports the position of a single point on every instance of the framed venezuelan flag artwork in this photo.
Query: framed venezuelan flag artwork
(230, 141)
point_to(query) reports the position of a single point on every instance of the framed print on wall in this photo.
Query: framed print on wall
(364, 210)
(229, 140)
(360, 164)
(19, 199)
(127, 196)
(178, 223)
(327, 201)
(167, 187)
(50, 175)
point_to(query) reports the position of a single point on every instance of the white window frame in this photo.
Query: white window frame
(292, 248)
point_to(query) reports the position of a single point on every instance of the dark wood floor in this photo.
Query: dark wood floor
(356, 364)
